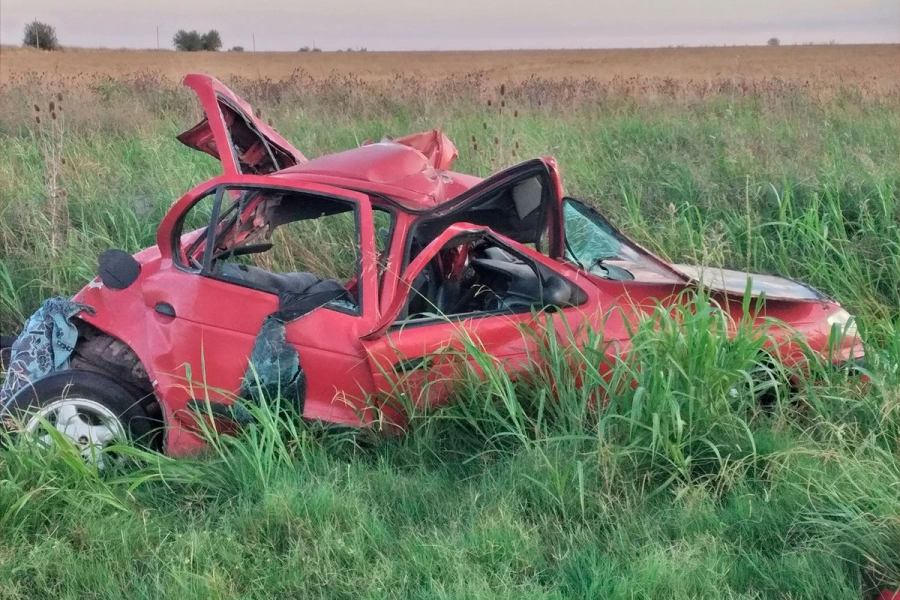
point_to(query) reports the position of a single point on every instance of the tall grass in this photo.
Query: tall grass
(671, 486)
(664, 479)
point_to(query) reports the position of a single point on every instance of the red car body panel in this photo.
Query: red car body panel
(353, 361)
(222, 109)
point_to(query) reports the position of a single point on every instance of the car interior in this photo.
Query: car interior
(484, 275)
(479, 274)
(303, 249)
(306, 251)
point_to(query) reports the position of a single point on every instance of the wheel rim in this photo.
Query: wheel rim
(88, 424)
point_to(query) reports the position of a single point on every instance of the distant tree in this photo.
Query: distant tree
(211, 40)
(187, 41)
(236, 49)
(303, 49)
(316, 49)
(193, 41)
(41, 36)
(774, 41)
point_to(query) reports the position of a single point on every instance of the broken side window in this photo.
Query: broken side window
(301, 246)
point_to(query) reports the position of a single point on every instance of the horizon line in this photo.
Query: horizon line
(363, 49)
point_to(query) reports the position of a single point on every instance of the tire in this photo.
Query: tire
(101, 353)
(90, 408)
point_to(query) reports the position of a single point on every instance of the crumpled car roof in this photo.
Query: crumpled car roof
(415, 167)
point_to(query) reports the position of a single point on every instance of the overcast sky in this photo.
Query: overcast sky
(457, 24)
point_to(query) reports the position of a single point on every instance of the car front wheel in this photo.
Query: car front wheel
(90, 409)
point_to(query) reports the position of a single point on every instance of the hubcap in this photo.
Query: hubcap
(88, 424)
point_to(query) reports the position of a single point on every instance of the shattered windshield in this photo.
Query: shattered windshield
(587, 241)
(597, 247)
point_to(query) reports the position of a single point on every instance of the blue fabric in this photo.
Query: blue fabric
(274, 369)
(44, 346)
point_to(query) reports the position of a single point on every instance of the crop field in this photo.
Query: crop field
(873, 66)
(777, 160)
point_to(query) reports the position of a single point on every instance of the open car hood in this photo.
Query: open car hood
(253, 147)
(736, 282)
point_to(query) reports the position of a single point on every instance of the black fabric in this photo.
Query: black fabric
(298, 293)
(276, 282)
(422, 288)
(274, 370)
(293, 305)
(447, 296)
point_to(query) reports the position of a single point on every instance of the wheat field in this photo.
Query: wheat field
(872, 65)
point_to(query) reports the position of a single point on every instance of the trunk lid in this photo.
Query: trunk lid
(230, 132)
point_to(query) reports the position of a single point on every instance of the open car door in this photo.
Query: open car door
(231, 133)
(522, 202)
(494, 308)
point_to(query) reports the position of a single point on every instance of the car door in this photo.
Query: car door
(530, 217)
(537, 222)
(210, 322)
(231, 132)
(415, 364)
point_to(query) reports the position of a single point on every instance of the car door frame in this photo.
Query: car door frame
(401, 353)
(170, 282)
(545, 167)
(408, 220)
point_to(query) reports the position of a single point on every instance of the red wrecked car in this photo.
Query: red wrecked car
(324, 280)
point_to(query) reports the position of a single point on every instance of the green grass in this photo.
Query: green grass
(674, 488)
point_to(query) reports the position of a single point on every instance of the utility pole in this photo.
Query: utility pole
(157, 37)
(37, 34)
(254, 41)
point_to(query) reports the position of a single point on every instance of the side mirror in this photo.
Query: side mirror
(556, 291)
(118, 269)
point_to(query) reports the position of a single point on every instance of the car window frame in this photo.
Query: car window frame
(220, 188)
